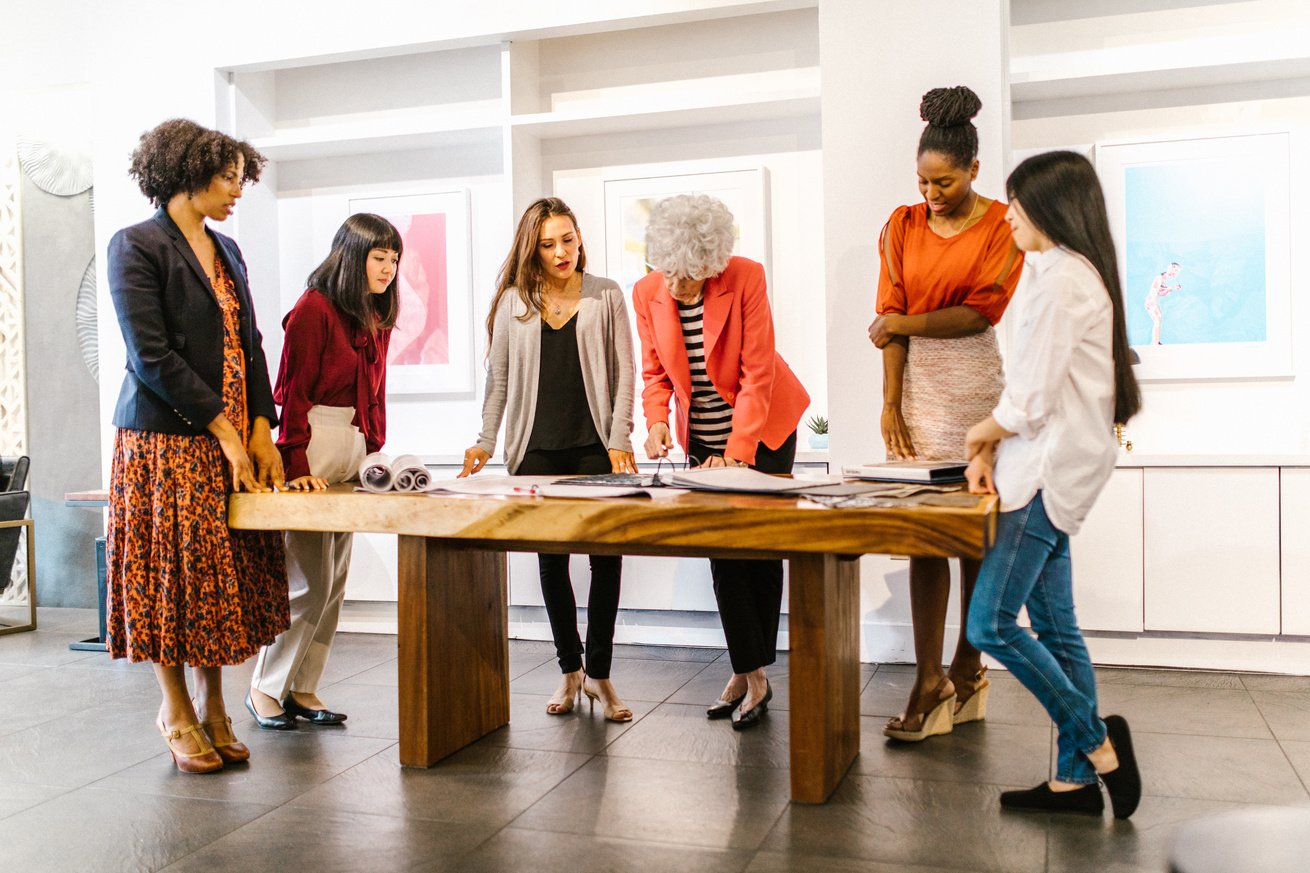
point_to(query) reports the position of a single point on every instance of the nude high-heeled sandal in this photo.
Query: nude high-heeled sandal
(613, 711)
(565, 697)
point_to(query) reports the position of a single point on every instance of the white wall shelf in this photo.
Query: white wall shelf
(1130, 60)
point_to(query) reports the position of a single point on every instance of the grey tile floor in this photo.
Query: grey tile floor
(87, 785)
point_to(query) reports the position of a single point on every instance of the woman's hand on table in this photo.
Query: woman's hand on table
(895, 435)
(229, 442)
(264, 455)
(622, 462)
(979, 474)
(307, 483)
(658, 441)
(723, 461)
(474, 460)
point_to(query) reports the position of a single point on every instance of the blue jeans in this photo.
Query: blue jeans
(1029, 566)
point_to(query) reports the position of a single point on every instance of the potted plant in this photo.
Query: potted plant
(818, 439)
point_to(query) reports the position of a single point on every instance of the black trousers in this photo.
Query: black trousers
(557, 588)
(749, 593)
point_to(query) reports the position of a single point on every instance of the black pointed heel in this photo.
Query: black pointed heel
(723, 708)
(743, 719)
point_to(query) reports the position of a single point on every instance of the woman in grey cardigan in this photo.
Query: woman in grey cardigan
(560, 364)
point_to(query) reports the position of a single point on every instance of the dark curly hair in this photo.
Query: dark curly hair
(181, 157)
(950, 131)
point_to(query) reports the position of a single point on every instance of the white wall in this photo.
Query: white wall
(1271, 416)
(871, 129)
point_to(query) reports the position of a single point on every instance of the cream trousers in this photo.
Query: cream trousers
(316, 567)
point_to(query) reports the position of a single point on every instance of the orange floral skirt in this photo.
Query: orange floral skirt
(184, 588)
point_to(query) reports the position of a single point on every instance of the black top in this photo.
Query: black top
(563, 417)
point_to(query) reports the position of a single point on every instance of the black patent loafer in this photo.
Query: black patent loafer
(283, 722)
(313, 716)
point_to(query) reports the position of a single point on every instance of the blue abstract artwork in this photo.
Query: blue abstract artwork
(1195, 252)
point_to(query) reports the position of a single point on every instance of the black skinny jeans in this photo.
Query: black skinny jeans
(557, 588)
(749, 592)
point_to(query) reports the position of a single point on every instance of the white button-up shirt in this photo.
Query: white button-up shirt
(1059, 391)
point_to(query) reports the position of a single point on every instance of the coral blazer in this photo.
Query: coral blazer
(767, 399)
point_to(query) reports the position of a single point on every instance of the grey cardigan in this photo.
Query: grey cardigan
(514, 366)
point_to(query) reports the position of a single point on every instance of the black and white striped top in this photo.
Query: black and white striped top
(711, 416)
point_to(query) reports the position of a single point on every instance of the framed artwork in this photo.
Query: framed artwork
(432, 344)
(1202, 230)
(628, 205)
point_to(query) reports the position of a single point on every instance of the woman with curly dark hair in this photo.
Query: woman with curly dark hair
(194, 418)
(949, 268)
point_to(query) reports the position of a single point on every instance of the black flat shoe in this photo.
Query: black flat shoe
(742, 719)
(1081, 801)
(313, 716)
(1124, 783)
(723, 708)
(283, 722)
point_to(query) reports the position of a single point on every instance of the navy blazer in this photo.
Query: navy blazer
(173, 328)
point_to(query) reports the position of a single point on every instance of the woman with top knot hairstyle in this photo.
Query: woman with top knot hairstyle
(948, 270)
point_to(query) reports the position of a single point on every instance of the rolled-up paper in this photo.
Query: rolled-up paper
(375, 473)
(410, 474)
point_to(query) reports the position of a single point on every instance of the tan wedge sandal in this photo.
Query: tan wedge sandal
(934, 722)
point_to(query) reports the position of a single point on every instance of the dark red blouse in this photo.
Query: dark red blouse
(328, 362)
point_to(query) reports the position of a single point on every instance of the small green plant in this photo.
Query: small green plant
(818, 424)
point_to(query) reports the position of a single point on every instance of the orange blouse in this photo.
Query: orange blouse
(923, 272)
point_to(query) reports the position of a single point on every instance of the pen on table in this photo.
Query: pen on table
(531, 489)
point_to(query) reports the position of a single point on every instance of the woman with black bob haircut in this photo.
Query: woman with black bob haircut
(332, 388)
(194, 421)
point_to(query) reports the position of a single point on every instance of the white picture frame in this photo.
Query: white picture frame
(1202, 232)
(432, 354)
(628, 201)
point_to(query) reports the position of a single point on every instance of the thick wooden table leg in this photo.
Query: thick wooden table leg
(454, 648)
(825, 673)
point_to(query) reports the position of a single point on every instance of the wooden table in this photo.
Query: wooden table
(453, 615)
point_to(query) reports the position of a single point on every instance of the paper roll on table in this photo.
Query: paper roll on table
(379, 473)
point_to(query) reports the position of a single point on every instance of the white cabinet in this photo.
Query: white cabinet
(1295, 528)
(1211, 541)
(1107, 557)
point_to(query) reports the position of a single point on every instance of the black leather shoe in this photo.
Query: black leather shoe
(742, 719)
(313, 716)
(1082, 801)
(284, 722)
(1124, 783)
(723, 708)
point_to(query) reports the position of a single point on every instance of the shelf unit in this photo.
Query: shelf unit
(1095, 58)
(512, 119)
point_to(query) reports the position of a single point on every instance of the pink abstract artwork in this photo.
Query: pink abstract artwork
(422, 333)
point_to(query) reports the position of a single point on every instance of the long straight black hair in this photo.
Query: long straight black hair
(342, 276)
(1062, 198)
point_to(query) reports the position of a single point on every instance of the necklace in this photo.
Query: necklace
(553, 303)
(962, 225)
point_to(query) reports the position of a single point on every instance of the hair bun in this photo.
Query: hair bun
(949, 107)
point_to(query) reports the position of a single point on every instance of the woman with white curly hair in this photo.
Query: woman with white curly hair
(707, 341)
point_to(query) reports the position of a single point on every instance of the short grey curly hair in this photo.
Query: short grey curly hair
(690, 235)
